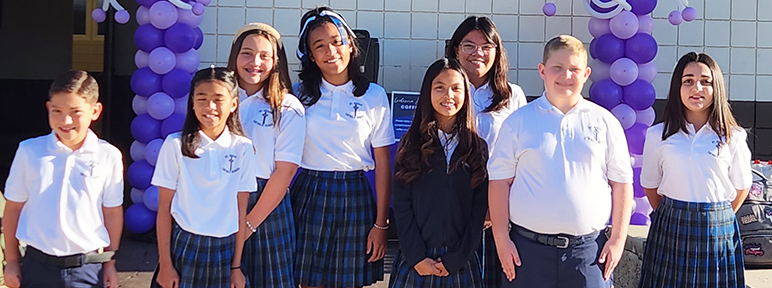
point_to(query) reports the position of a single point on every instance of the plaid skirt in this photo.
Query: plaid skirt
(334, 212)
(491, 266)
(403, 275)
(268, 256)
(693, 244)
(200, 261)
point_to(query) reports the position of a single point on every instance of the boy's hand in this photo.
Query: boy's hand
(610, 255)
(12, 275)
(167, 277)
(509, 256)
(426, 267)
(237, 279)
(110, 274)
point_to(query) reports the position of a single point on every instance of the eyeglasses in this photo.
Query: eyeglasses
(469, 48)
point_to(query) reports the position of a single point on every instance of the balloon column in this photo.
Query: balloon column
(622, 52)
(168, 38)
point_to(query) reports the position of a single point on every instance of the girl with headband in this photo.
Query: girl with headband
(341, 229)
(275, 122)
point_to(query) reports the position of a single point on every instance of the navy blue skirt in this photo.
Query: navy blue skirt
(693, 244)
(403, 275)
(334, 212)
(268, 256)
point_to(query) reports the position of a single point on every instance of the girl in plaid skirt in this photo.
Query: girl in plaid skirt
(441, 186)
(203, 176)
(341, 231)
(696, 174)
(274, 120)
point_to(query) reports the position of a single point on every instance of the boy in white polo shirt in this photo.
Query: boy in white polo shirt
(65, 196)
(559, 168)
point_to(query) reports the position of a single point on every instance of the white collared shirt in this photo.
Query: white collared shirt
(63, 192)
(283, 143)
(206, 188)
(489, 123)
(561, 164)
(449, 142)
(341, 128)
(693, 167)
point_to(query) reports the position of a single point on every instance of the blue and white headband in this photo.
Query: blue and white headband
(336, 19)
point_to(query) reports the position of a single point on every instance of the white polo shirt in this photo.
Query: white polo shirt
(63, 192)
(272, 143)
(205, 199)
(489, 123)
(341, 129)
(561, 164)
(693, 167)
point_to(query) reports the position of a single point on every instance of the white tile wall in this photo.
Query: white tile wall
(412, 34)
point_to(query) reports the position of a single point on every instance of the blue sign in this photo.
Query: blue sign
(403, 106)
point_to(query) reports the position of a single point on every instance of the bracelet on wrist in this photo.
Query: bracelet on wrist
(254, 230)
(381, 227)
(236, 268)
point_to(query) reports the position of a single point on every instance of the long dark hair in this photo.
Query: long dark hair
(420, 141)
(191, 139)
(497, 76)
(310, 75)
(278, 83)
(720, 115)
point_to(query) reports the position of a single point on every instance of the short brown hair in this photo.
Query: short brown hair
(77, 82)
(564, 42)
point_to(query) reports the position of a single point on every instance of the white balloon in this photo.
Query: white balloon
(139, 105)
(137, 151)
(137, 195)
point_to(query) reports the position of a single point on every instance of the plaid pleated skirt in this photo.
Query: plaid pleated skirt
(693, 245)
(201, 261)
(403, 275)
(334, 212)
(268, 256)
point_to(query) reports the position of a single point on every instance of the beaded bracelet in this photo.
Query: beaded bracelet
(381, 227)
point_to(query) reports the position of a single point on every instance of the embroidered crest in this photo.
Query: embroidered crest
(231, 158)
(715, 153)
(756, 189)
(594, 133)
(768, 214)
(264, 118)
(753, 249)
(90, 172)
(355, 111)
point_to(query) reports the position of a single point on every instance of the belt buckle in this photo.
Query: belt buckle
(565, 243)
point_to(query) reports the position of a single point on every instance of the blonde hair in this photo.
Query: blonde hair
(76, 82)
(564, 42)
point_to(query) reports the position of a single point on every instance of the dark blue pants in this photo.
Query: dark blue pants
(545, 266)
(36, 274)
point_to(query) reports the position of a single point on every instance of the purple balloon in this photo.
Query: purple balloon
(642, 205)
(137, 150)
(689, 14)
(141, 58)
(144, 128)
(646, 116)
(139, 219)
(645, 24)
(549, 9)
(624, 25)
(181, 106)
(137, 195)
(122, 17)
(609, 48)
(639, 95)
(598, 27)
(641, 48)
(147, 38)
(186, 16)
(161, 60)
(163, 14)
(151, 151)
(172, 124)
(139, 174)
(176, 83)
(145, 82)
(600, 70)
(147, 3)
(623, 71)
(198, 9)
(98, 15)
(639, 219)
(180, 38)
(647, 71)
(199, 38)
(636, 135)
(601, 10)
(188, 61)
(625, 114)
(143, 15)
(139, 104)
(160, 106)
(150, 198)
(675, 17)
(637, 189)
(606, 93)
(636, 160)
(642, 7)
(593, 45)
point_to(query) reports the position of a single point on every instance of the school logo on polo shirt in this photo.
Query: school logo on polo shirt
(264, 118)
(230, 169)
(87, 169)
(355, 110)
(715, 153)
(594, 133)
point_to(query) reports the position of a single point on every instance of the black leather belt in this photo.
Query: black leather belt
(71, 261)
(558, 241)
